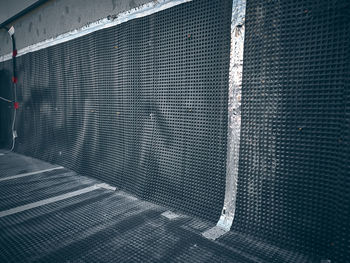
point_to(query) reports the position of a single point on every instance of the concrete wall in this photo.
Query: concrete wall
(59, 16)
(13, 7)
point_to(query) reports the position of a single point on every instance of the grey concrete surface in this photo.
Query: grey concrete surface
(11, 8)
(56, 17)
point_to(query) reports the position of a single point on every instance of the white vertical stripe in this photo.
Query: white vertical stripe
(234, 121)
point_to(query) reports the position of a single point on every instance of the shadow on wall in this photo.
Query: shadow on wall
(140, 116)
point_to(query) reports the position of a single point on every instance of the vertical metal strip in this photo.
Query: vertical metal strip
(234, 120)
(234, 112)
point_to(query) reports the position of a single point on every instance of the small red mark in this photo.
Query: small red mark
(14, 53)
(14, 79)
(16, 105)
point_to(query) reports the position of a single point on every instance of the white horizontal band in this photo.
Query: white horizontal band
(31, 173)
(52, 200)
(142, 11)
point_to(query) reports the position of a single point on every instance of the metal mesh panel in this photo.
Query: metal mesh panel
(294, 152)
(142, 105)
(5, 108)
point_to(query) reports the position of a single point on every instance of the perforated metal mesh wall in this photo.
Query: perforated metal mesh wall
(293, 183)
(142, 106)
(6, 111)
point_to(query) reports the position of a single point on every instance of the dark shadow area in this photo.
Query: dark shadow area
(6, 108)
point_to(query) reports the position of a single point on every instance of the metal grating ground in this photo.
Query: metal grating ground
(107, 226)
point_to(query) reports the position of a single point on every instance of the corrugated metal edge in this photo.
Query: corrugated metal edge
(234, 120)
(142, 11)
